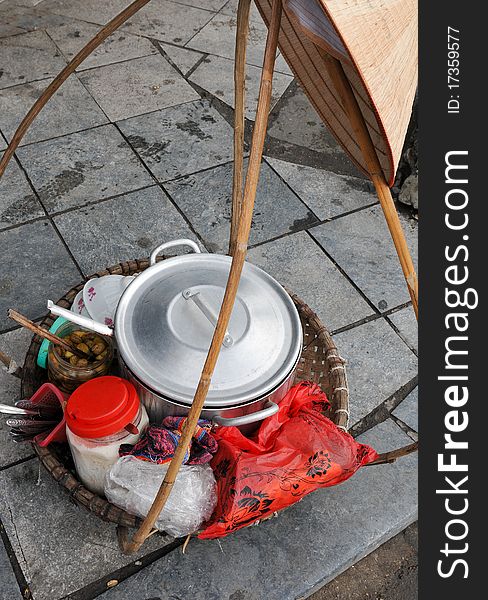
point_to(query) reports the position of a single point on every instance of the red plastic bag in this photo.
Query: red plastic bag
(294, 452)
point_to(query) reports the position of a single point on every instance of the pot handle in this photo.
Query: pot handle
(181, 242)
(79, 319)
(269, 409)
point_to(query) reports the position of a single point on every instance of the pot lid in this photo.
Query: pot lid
(164, 327)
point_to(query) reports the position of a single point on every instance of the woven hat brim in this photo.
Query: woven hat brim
(382, 75)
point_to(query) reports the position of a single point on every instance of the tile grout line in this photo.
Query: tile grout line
(15, 565)
(160, 185)
(48, 216)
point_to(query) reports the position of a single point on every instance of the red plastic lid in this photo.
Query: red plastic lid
(102, 406)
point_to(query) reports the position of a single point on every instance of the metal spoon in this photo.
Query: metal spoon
(6, 409)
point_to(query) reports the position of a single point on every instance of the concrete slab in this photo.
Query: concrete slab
(168, 21)
(18, 202)
(92, 11)
(142, 85)
(83, 167)
(298, 263)
(216, 75)
(72, 36)
(378, 363)
(328, 195)
(126, 227)
(184, 59)
(406, 323)
(60, 547)
(408, 410)
(218, 38)
(9, 590)
(70, 109)
(361, 244)
(205, 198)
(35, 266)
(180, 140)
(317, 538)
(28, 57)
(14, 344)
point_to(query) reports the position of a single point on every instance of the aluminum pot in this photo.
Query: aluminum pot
(164, 324)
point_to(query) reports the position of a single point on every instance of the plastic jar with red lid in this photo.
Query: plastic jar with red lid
(102, 414)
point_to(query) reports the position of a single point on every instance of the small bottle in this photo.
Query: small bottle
(97, 415)
(67, 376)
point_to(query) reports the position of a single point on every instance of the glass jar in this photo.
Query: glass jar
(94, 458)
(67, 376)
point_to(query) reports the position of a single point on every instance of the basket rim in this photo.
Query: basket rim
(102, 507)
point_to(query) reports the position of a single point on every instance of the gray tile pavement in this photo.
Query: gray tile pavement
(83, 167)
(29, 57)
(298, 263)
(70, 109)
(60, 547)
(18, 202)
(206, 199)
(180, 140)
(216, 75)
(362, 246)
(121, 46)
(407, 411)
(378, 363)
(146, 84)
(129, 226)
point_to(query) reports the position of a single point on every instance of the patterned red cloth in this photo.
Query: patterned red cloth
(293, 453)
(158, 443)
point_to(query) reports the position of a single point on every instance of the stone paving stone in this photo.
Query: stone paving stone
(361, 244)
(136, 87)
(408, 410)
(28, 57)
(184, 59)
(14, 344)
(60, 547)
(83, 167)
(406, 323)
(231, 9)
(15, 18)
(168, 22)
(378, 363)
(9, 588)
(212, 5)
(92, 11)
(180, 140)
(35, 266)
(120, 229)
(205, 198)
(216, 75)
(17, 201)
(297, 263)
(121, 46)
(317, 538)
(70, 109)
(324, 192)
(218, 38)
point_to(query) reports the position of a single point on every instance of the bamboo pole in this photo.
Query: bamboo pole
(239, 121)
(56, 83)
(244, 228)
(351, 107)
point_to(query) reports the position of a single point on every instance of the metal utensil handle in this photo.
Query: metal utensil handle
(79, 319)
(6, 409)
(190, 294)
(182, 242)
(270, 408)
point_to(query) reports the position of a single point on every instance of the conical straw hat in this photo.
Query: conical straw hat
(376, 42)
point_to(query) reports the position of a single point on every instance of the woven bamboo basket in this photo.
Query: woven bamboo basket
(318, 363)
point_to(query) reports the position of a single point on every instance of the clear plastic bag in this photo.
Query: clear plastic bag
(132, 485)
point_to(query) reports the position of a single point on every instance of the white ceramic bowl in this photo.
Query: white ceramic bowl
(78, 306)
(101, 296)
